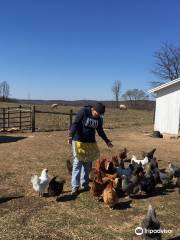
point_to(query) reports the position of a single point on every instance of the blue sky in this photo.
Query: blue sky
(76, 49)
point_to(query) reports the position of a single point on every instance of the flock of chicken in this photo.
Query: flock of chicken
(112, 179)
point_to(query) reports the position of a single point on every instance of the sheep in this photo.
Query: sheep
(55, 105)
(122, 107)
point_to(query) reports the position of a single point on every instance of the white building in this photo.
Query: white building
(167, 113)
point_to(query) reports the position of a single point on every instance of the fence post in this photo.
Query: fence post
(8, 116)
(20, 117)
(4, 120)
(70, 118)
(33, 118)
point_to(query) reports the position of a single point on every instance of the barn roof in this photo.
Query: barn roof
(156, 89)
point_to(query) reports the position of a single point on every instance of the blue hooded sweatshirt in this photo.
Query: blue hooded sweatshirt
(84, 127)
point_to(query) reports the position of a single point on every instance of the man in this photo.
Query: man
(82, 137)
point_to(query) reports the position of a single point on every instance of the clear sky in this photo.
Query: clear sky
(75, 49)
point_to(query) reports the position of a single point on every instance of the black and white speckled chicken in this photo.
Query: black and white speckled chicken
(151, 225)
(175, 169)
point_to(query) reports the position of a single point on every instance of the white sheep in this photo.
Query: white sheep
(122, 107)
(54, 105)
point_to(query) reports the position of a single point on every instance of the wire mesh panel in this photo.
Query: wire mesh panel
(53, 121)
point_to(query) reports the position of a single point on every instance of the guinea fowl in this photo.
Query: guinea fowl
(151, 226)
(55, 187)
(174, 169)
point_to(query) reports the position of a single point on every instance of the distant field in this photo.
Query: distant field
(114, 118)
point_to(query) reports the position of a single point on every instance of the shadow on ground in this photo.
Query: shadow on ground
(66, 198)
(123, 205)
(158, 191)
(7, 199)
(9, 139)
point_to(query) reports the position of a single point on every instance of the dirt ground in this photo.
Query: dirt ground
(25, 215)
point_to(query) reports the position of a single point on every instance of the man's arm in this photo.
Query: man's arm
(102, 133)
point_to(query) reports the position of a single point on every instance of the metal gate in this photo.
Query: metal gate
(16, 118)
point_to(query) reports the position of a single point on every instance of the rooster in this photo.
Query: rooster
(40, 183)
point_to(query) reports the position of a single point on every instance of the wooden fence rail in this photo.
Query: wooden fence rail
(24, 118)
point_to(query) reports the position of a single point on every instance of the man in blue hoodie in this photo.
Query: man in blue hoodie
(82, 137)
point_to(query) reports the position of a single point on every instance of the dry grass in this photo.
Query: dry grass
(114, 118)
(31, 217)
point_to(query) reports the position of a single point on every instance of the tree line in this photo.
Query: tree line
(166, 68)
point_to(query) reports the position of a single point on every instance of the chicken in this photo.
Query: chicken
(115, 161)
(149, 224)
(55, 187)
(98, 185)
(165, 178)
(148, 183)
(123, 154)
(178, 185)
(109, 195)
(178, 182)
(124, 171)
(40, 183)
(174, 169)
(106, 167)
(150, 154)
(154, 162)
(143, 161)
(131, 186)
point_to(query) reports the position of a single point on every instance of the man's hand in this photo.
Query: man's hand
(70, 140)
(110, 145)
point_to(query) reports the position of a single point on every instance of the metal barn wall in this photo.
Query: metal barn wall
(168, 110)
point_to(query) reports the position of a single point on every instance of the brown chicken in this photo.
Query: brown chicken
(123, 154)
(98, 185)
(115, 161)
(109, 195)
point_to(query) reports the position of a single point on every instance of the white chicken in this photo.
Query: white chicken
(143, 161)
(40, 183)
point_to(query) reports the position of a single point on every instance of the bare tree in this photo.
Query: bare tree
(167, 65)
(134, 95)
(4, 90)
(116, 91)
